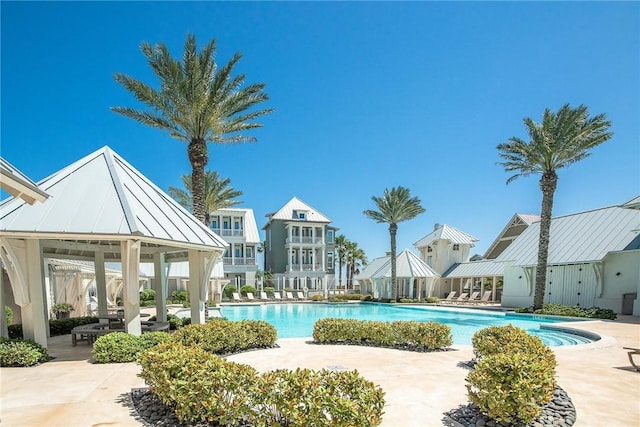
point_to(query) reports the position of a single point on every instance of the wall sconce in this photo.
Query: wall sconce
(618, 273)
(519, 277)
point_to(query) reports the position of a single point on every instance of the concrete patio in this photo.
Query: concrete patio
(419, 387)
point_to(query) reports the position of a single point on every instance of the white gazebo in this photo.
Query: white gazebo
(415, 278)
(19, 185)
(102, 209)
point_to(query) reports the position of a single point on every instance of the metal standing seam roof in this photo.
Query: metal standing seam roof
(632, 204)
(483, 268)
(516, 220)
(250, 227)
(446, 232)
(18, 184)
(286, 213)
(578, 238)
(407, 265)
(102, 194)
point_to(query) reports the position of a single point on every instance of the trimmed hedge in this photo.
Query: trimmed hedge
(204, 388)
(222, 336)
(407, 334)
(121, 347)
(247, 288)
(576, 311)
(19, 352)
(348, 297)
(515, 375)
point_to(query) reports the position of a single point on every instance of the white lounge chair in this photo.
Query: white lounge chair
(474, 297)
(300, 295)
(486, 297)
(236, 297)
(250, 296)
(449, 297)
(276, 296)
(289, 296)
(462, 298)
(264, 296)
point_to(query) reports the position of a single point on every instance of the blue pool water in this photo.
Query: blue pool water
(297, 320)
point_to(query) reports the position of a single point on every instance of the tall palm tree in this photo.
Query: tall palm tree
(341, 249)
(561, 139)
(197, 102)
(394, 207)
(262, 247)
(218, 194)
(356, 258)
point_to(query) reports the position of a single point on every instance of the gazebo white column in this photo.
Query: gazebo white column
(200, 268)
(161, 286)
(23, 260)
(130, 256)
(101, 282)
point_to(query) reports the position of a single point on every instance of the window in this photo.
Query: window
(238, 252)
(214, 223)
(429, 249)
(329, 260)
(330, 236)
(430, 261)
(302, 215)
(249, 251)
(456, 247)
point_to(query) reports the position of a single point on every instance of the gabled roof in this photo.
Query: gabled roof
(19, 185)
(288, 213)
(483, 268)
(446, 232)
(250, 227)
(579, 238)
(632, 204)
(103, 195)
(407, 265)
(516, 225)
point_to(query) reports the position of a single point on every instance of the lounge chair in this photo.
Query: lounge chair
(300, 295)
(474, 297)
(289, 296)
(264, 296)
(250, 296)
(462, 298)
(633, 351)
(486, 297)
(276, 296)
(236, 296)
(449, 297)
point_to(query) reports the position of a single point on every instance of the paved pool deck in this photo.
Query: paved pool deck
(420, 387)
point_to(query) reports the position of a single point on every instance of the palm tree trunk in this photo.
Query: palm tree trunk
(393, 229)
(548, 184)
(340, 272)
(197, 151)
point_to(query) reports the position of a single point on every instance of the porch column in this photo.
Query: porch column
(493, 288)
(101, 282)
(130, 257)
(161, 282)
(200, 268)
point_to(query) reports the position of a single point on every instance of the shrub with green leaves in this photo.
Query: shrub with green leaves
(411, 334)
(180, 296)
(8, 315)
(576, 311)
(19, 352)
(121, 347)
(229, 290)
(246, 289)
(56, 326)
(348, 297)
(202, 387)
(431, 300)
(513, 386)
(406, 300)
(317, 297)
(269, 290)
(148, 295)
(221, 336)
(500, 339)
(515, 375)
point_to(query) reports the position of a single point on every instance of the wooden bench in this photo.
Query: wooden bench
(89, 332)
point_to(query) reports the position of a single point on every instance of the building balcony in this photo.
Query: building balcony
(305, 267)
(304, 240)
(228, 232)
(239, 261)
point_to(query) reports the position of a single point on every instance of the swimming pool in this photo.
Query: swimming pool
(296, 320)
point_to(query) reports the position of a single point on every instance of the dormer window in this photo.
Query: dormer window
(302, 215)
(456, 247)
(429, 249)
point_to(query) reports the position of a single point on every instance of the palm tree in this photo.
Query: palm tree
(262, 247)
(395, 206)
(218, 194)
(197, 103)
(356, 258)
(561, 139)
(341, 249)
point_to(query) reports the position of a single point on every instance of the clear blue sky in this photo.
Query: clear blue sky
(367, 96)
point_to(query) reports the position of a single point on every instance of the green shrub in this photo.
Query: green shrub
(500, 339)
(269, 290)
(319, 398)
(576, 311)
(8, 315)
(348, 297)
(56, 326)
(247, 288)
(522, 310)
(180, 296)
(211, 303)
(202, 387)
(229, 290)
(121, 347)
(186, 304)
(148, 295)
(512, 386)
(317, 297)
(417, 335)
(175, 322)
(432, 300)
(15, 331)
(406, 300)
(221, 336)
(19, 352)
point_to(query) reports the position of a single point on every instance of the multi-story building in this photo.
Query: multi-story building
(238, 228)
(300, 247)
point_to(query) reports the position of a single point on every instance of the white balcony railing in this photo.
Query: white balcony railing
(228, 232)
(304, 239)
(305, 267)
(238, 261)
